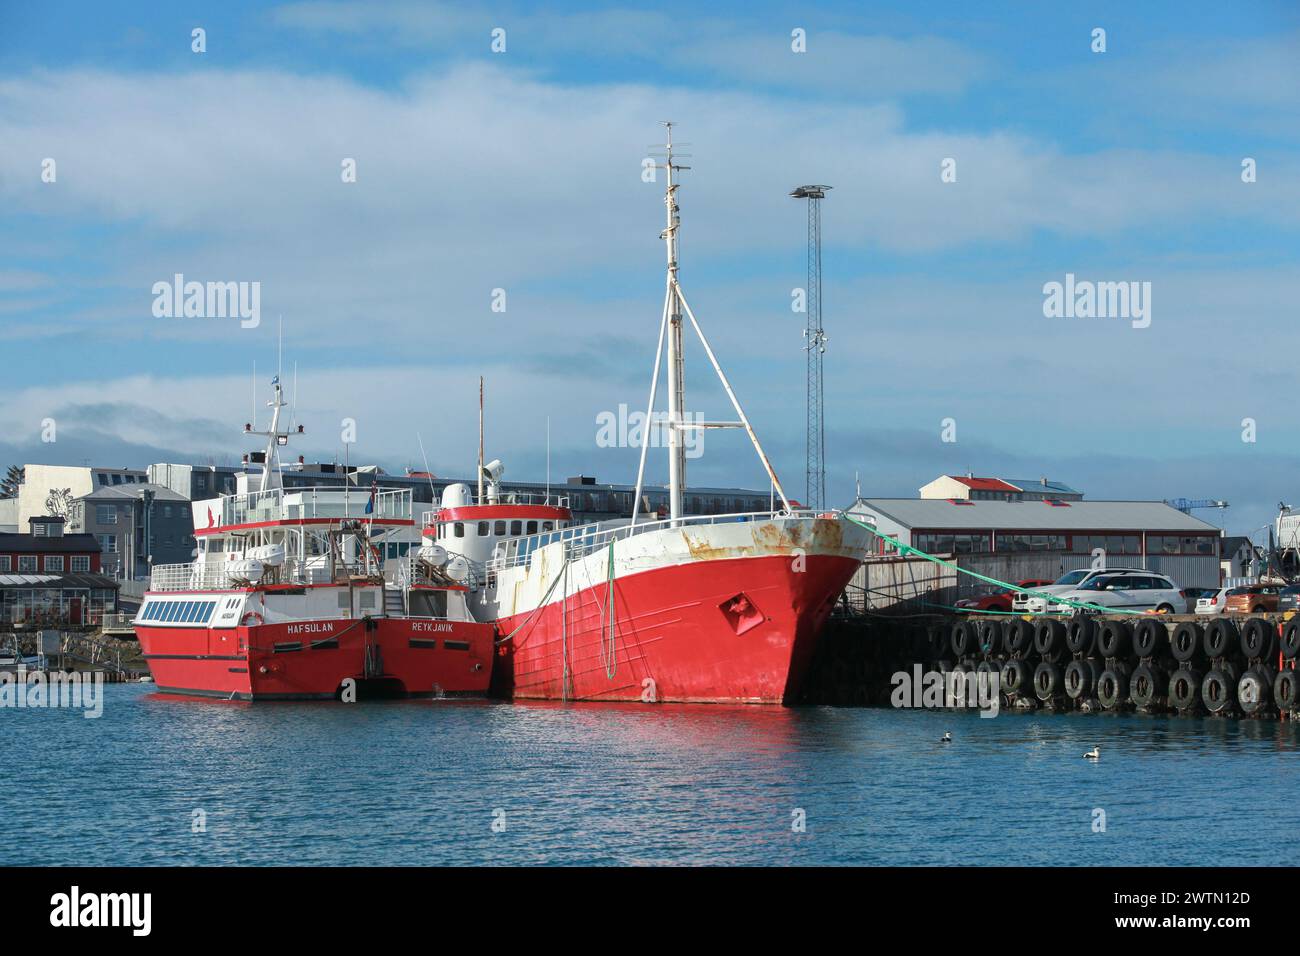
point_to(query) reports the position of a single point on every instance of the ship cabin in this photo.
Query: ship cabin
(473, 527)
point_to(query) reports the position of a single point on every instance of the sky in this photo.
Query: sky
(520, 169)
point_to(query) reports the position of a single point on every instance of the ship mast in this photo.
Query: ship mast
(673, 308)
(675, 305)
(274, 437)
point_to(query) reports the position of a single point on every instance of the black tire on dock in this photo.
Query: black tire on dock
(1184, 689)
(990, 637)
(1258, 639)
(1018, 636)
(1286, 689)
(1049, 638)
(1150, 637)
(1146, 685)
(963, 641)
(1081, 635)
(1218, 690)
(1291, 639)
(1112, 686)
(1047, 679)
(1187, 641)
(1114, 638)
(1016, 677)
(1221, 639)
(1080, 678)
(1254, 690)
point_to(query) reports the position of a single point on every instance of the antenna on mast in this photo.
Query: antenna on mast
(480, 438)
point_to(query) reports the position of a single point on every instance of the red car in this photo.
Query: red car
(998, 600)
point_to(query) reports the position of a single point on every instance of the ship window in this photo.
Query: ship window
(532, 527)
(548, 525)
(460, 529)
(482, 529)
(343, 599)
(516, 527)
(499, 528)
(367, 599)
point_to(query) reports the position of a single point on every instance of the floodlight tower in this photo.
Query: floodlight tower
(815, 346)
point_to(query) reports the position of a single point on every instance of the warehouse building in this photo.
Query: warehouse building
(1034, 540)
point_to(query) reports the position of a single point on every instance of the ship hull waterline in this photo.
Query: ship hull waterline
(400, 657)
(737, 630)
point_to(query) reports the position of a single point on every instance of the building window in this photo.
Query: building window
(6, 563)
(107, 543)
(80, 562)
(26, 564)
(54, 562)
(106, 514)
(167, 511)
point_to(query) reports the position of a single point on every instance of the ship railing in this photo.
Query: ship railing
(218, 576)
(507, 498)
(292, 504)
(582, 540)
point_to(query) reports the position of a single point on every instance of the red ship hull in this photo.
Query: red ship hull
(311, 660)
(679, 634)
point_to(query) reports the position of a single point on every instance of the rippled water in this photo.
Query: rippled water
(419, 782)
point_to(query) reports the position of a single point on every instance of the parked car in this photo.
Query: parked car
(1288, 599)
(1036, 604)
(1214, 604)
(1253, 598)
(1133, 592)
(998, 599)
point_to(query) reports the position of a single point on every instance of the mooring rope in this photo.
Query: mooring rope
(908, 549)
(608, 651)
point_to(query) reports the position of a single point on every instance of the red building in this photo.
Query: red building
(49, 579)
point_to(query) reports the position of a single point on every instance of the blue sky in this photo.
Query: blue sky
(520, 170)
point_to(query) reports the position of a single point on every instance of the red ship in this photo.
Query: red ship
(290, 598)
(718, 608)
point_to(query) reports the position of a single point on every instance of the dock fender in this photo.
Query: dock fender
(1150, 637)
(1187, 641)
(1255, 690)
(1291, 639)
(1081, 635)
(1218, 690)
(990, 637)
(1286, 689)
(1049, 638)
(1184, 688)
(1112, 686)
(1047, 678)
(1258, 639)
(1221, 638)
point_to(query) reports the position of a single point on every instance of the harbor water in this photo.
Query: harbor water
(159, 780)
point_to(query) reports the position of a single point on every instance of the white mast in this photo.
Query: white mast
(674, 305)
(274, 437)
(676, 385)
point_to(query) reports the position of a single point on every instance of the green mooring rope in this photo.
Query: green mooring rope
(908, 549)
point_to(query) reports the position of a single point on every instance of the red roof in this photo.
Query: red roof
(985, 484)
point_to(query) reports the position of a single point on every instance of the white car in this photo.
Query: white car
(1132, 592)
(1214, 603)
(1035, 604)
